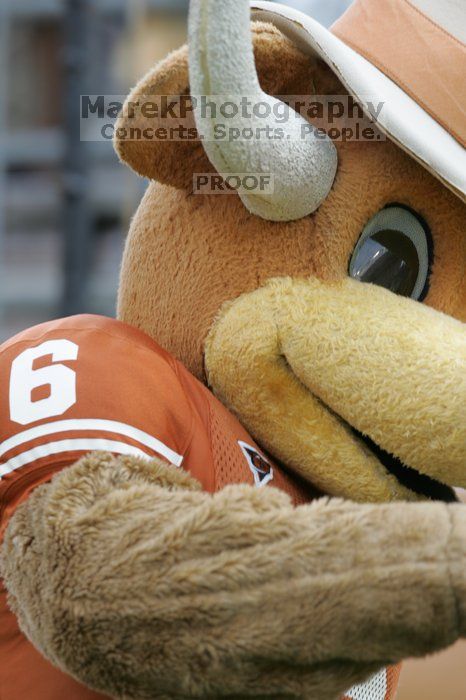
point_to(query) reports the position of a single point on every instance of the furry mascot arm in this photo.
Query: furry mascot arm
(129, 577)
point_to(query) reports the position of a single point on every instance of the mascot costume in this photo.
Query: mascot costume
(242, 487)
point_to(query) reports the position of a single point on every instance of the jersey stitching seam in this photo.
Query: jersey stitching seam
(175, 367)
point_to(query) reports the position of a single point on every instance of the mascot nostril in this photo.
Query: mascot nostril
(243, 486)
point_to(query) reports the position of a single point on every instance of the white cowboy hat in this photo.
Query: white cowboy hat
(410, 55)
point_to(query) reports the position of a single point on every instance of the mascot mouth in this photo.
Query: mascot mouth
(421, 484)
(334, 379)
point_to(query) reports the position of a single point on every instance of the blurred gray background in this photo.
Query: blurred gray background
(65, 205)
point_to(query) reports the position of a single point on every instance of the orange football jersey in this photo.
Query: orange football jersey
(89, 383)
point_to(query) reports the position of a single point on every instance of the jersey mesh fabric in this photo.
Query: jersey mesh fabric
(382, 686)
(232, 449)
(227, 460)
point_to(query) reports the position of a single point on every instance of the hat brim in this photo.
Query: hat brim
(402, 119)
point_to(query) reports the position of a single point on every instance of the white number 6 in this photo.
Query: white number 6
(61, 380)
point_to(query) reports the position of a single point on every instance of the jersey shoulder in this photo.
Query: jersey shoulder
(83, 384)
(92, 327)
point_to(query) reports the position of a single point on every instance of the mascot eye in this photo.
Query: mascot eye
(394, 252)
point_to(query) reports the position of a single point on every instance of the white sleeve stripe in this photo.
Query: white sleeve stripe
(82, 445)
(92, 424)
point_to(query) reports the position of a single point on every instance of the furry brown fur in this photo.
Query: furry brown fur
(153, 589)
(215, 250)
(246, 250)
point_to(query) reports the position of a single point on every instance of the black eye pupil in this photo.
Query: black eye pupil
(389, 259)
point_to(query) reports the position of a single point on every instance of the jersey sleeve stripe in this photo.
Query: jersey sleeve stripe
(95, 425)
(77, 445)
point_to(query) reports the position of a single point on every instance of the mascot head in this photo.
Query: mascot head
(327, 312)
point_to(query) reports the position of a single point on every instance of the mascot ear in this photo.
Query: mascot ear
(282, 70)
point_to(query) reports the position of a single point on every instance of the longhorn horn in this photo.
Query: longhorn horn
(222, 68)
